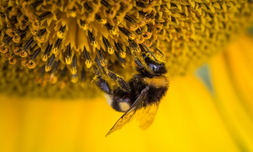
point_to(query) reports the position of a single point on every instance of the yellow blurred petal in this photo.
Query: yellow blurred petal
(187, 120)
(239, 60)
(230, 74)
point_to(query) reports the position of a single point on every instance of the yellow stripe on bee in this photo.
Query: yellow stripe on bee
(124, 106)
(158, 81)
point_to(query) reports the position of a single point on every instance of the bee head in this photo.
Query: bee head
(155, 67)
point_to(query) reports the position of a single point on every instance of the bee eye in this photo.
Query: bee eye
(153, 67)
(158, 69)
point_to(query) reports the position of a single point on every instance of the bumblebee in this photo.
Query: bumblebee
(140, 96)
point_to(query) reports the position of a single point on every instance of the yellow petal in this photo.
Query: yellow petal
(187, 120)
(239, 62)
(232, 85)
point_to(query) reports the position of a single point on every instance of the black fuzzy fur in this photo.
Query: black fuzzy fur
(136, 85)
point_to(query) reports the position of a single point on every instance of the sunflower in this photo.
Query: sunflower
(50, 45)
(49, 49)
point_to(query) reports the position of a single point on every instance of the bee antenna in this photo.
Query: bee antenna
(150, 52)
(158, 50)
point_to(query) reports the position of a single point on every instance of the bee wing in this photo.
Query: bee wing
(147, 115)
(128, 115)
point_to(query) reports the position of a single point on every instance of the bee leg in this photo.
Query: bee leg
(102, 84)
(138, 63)
(100, 81)
(98, 68)
(120, 81)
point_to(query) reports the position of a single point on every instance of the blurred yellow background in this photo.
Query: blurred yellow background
(192, 116)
